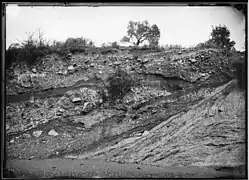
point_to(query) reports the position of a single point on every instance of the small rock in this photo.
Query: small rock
(71, 68)
(76, 99)
(91, 65)
(12, 140)
(85, 78)
(34, 70)
(145, 133)
(7, 126)
(86, 107)
(101, 100)
(69, 55)
(193, 60)
(145, 61)
(37, 133)
(30, 157)
(117, 63)
(32, 99)
(96, 177)
(60, 72)
(53, 133)
(61, 110)
(26, 135)
(137, 135)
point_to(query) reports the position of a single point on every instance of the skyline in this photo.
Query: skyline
(181, 25)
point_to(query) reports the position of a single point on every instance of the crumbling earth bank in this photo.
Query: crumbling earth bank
(211, 133)
(184, 112)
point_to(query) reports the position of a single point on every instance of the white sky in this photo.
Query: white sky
(178, 24)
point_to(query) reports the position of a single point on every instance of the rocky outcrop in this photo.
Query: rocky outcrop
(211, 133)
(201, 67)
(194, 67)
(168, 118)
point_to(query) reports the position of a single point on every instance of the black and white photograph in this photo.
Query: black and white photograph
(125, 90)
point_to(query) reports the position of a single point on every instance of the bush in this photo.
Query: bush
(28, 51)
(156, 48)
(240, 73)
(28, 54)
(207, 44)
(77, 45)
(11, 55)
(115, 45)
(119, 84)
(32, 54)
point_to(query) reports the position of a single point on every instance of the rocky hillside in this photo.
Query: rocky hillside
(184, 109)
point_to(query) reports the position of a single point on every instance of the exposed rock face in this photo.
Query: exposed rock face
(190, 67)
(211, 133)
(168, 118)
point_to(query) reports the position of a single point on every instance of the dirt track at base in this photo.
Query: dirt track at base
(72, 168)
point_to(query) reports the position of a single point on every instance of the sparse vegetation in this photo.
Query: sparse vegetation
(207, 44)
(78, 45)
(115, 45)
(240, 73)
(27, 51)
(120, 83)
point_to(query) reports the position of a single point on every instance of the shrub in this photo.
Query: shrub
(28, 54)
(76, 45)
(33, 53)
(11, 55)
(208, 44)
(115, 45)
(119, 84)
(73, 45)
(28, 51)
(156, 48)
(240, 73)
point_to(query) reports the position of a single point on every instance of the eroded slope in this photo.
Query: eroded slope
(211, 133)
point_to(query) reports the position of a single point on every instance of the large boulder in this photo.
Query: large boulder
(76, 99)
(24, 80)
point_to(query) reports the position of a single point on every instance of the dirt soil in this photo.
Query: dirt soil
(185, 117)
(68, 168)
